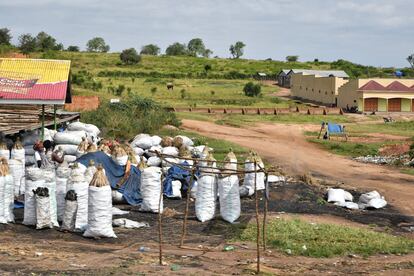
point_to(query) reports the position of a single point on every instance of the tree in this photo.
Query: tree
(97, 44)
(73, 48)
(45, 42)
(252, 90)
(236, 50)
(27, 43)
(150, 49)
(207, 53)
(207, 67)
(410, 60)
(196, 47)
(5, 36)
(176, 49)
(292, 58)
(130, 56)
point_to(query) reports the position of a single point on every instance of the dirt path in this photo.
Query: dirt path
(286, 146)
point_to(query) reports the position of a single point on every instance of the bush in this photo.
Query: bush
(130, 56)
(126, 119)
(411, 151)
(252, 90)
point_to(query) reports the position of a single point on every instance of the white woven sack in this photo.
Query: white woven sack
(121, 160)
(150, 189)
(336, 195)
(5, 154)
(156, 140)
(68, 149)
(229, 197)
(176, 189)
(89, 128)
(17, 154)
(205, 205)
(142, 141)
(8, 197)
(29, 217)
(99, 213)
(43, 215)
(187, 142)
(28, 150)
(17, 171)
(249, 178)
(151, 151)
(138, 151)
(69, 216)
(117, 197)
(169, 162)
(30, 138)
(170, 151)
(90, 171)
(78, 183)
(29, 160)
(2, 204)
(50, 180)
(69, 137)
(154, 161)
(60, 196)
(69, 158)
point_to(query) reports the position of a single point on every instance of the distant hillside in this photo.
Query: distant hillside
(109, 65)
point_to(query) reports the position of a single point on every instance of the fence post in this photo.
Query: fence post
(160, 221)
(187, 203)
(257, 217)
(266, 204)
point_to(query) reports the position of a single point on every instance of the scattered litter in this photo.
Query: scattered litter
(144, 249)
(38, 254)
(129, 224)
(275, 178)
(116, 211)
(228, 248)
(175, 267)
(288, 251)
(371, 200)
(78, 265)
(304, 248)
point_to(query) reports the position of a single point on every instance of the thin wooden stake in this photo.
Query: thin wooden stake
(257, 218)
(187, 203)
(160, 221)
(266, 202)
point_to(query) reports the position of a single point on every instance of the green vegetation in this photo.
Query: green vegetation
(403, 128)
(130, 56)
(97, 44)
(252, 90)
(297, 237)
(237, 49)
(348, 148)
(126, 119)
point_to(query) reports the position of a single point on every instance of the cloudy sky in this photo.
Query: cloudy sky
(375, 32)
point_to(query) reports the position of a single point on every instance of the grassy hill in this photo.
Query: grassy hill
(104, 75)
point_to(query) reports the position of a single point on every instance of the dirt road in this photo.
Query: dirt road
(285, 145)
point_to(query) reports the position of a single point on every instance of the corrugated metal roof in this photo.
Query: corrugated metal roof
(321, 73)
(395, 86)
(33, 80)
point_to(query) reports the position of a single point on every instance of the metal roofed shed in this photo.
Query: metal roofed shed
(31, 82)
(321, 73)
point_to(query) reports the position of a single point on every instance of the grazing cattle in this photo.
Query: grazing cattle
(170, 86)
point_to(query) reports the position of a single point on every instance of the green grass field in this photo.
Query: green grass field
(296, 237)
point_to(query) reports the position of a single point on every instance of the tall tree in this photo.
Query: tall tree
(130, 56)
(292, 58)
(196, 47)
(45, 42)
(97, 44)
(237, 50)
(410, 60)
(73, 48)
(5, 36)
(176, 49)
(27, 43)
(150, 49)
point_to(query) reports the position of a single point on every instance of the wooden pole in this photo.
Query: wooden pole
(266, 202)
(160, 221)
(54, 117)
(187, 203)
(257, 218)
(43, 122)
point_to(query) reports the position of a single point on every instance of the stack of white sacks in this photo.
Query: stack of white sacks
(6, 193)
(69, 140)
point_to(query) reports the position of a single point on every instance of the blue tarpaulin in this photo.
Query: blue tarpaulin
(334, 128)
(177, 173)
(130, 189)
